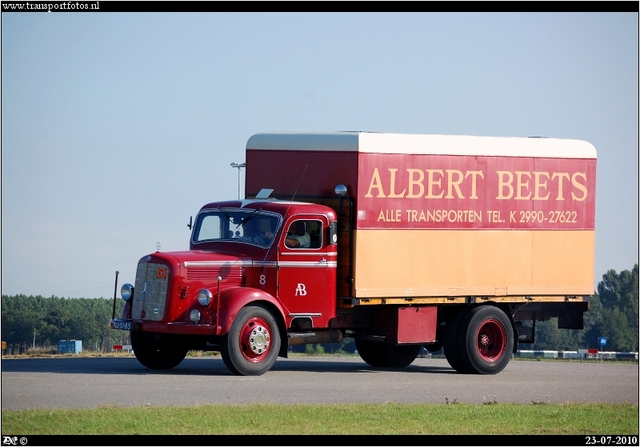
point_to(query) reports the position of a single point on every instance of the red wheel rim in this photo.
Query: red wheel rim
(255, 339)
(491, 340)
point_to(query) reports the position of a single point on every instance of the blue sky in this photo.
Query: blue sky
(116, 127)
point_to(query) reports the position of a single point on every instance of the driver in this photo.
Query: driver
(298, 236)
(251, 231)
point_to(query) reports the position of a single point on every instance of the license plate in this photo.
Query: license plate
(121, 324)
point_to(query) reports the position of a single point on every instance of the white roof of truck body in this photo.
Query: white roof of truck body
(393, 143)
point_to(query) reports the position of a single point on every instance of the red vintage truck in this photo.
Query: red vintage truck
(397, 241)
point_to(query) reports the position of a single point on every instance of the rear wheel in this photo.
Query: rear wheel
(450, 343)
(370, 352)
(485, 340)
(400, 356)
(381, 354)
(251, 347)
(158, 351)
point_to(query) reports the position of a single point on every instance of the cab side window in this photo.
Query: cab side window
(304, 234)
(315, 231)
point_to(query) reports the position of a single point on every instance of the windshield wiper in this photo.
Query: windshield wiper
(244, 221)
(224, 214)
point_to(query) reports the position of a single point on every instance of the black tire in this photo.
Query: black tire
(370, 352)
(158, 351)
(450, 343)
(395, 356)
(251, 347)
(381, 354)
(485, 340)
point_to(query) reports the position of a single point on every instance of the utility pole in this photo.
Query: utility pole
(239, 166)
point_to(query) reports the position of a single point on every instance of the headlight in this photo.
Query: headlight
(126, 291)
(204, 297)
(194, 316)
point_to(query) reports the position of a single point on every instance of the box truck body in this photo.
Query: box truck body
(448, 215)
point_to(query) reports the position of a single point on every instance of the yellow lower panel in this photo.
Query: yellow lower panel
(412, 263)
(463, 300)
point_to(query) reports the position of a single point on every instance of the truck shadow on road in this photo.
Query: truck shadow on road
(350, 366)
(194, 366)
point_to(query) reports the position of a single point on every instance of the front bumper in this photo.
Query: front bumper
(169, 328)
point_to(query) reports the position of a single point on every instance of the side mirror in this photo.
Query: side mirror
(190, 224)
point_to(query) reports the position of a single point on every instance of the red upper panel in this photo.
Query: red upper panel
(313, 173)
(479, 192)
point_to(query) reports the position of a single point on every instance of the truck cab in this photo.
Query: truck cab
(298, 276)
(244, 252)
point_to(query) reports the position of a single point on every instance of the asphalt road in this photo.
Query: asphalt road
(83, 382)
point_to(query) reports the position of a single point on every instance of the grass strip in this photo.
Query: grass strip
(334, 419)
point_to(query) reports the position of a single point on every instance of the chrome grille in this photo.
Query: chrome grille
(150, 291)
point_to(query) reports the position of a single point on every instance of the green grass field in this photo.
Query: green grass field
(537, 418)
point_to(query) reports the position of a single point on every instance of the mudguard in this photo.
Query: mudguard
(231, 301)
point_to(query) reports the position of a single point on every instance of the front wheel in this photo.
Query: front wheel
(251, 347)
(158, 351)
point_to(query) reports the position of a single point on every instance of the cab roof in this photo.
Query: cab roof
(282, 207)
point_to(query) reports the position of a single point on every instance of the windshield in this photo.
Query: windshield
(250, 226)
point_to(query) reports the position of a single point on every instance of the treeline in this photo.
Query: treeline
(29, 321)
